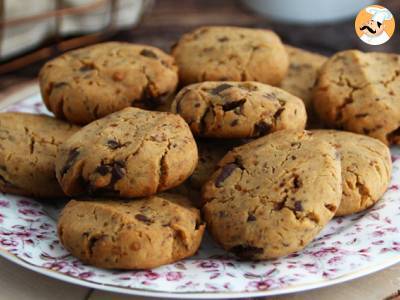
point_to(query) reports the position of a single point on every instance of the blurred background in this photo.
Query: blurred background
(32, 32)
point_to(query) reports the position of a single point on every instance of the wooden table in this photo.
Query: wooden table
(167, 21)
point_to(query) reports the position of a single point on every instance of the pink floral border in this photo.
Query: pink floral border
(346, 245)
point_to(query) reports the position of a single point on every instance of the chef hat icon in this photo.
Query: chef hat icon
(379, 14)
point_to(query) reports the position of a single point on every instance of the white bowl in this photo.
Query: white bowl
(307, 11)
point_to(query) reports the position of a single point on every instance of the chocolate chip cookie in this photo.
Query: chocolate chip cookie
(272, 196)
(230, 53)
(238, 109)
(135, 234)
(360, 92)
(28, 147)
(366, 169)
(86, 84)
(301, 77)
(130, 153)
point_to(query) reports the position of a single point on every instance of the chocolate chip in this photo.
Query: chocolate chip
(278, 112)
(73, 154)
(298, 206)
(223, 39)
(197, 104)
(92, 242)
(297, 182)
(118, 171)
(232, 105)
(262, 128)
(148, 53)
(86, 68)
(234, 122)
(103, 170)
(251, 218)
(225, 173)
(246, 252)
(220, 88)
(143, 218)
(112, 144)
(279, 205)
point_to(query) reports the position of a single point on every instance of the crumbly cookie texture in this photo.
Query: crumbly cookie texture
(272, 196)
(238, 109)
(86, 84)
(130, 153)
(230, 53)
(301, 77)
(366, 169)
(360, 92)
(28, 147)
(135, 234)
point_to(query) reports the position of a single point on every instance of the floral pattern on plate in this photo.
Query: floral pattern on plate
(345, 246)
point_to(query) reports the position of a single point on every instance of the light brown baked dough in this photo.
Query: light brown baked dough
(130, 153)
(360, 92)
(28, 147)
(89, 83)
(135, 234)
(223, 53)
(272, 196)
(238, 109)
(366, 169)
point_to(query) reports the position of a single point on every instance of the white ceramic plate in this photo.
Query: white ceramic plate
(347, 248)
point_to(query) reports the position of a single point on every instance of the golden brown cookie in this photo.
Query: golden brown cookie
(238, 109)
(360, 92)
(86, 84)
(301, 77)
(28, 147)
(135, 234)
(366, 169)
(130, 153)
(222, 53)
(272, 196)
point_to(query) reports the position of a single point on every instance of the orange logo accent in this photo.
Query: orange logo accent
(374, 25)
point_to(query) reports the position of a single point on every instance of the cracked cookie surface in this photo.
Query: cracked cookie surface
(136, 234)
(88, 83)
(272, 196)
(301, 77)
(238, 109)
(360, 92)
(230, 53)
(366, 169)
(130, 153)
(28, 147)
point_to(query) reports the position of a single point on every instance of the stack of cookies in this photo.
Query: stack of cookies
(219, 124)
